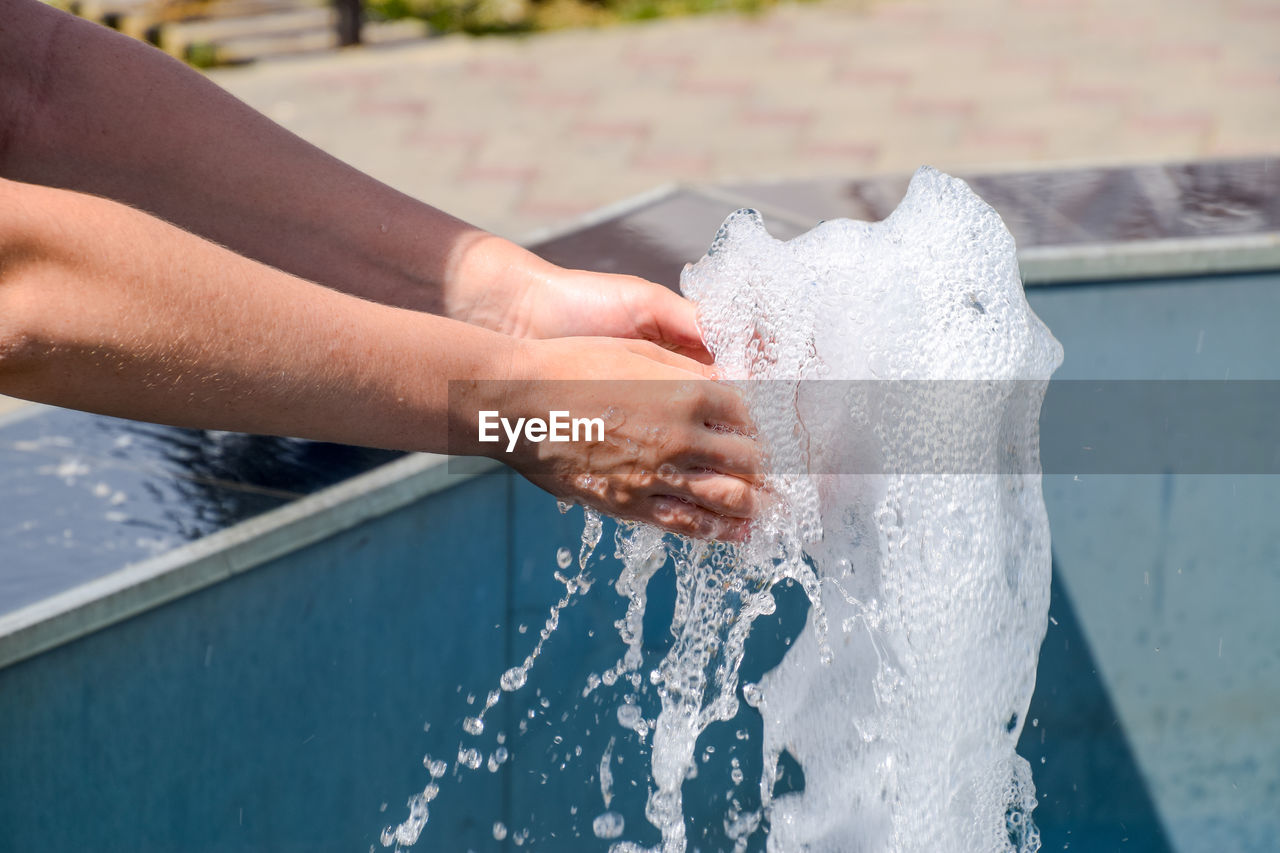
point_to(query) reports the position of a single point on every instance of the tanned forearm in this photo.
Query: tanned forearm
(85, 108)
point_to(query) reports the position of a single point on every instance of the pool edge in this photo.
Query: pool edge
(137, 588)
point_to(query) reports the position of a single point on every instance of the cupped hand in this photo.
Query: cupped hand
(563, 303)
(503, 287)
(676, 449)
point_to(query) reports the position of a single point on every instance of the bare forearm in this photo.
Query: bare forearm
(87, 109)
(107, 309)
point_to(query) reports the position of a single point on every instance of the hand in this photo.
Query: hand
(675, 450)
(563, 303)
(505, 288)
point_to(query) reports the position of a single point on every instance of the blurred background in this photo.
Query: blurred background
(572, 104)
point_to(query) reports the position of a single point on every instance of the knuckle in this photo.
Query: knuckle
(690, 401)
(736, 495)
(678, 442)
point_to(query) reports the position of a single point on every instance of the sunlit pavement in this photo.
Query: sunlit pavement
(521, 134)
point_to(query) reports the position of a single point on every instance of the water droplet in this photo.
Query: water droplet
(608, 825)
(630, 716)
(513, 679)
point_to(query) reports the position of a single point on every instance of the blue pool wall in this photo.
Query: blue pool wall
(281, 709)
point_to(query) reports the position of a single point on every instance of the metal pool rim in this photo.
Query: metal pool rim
(1070, 263)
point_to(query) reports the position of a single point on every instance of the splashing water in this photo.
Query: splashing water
(938, 577)
(904, 718)
(470, 758)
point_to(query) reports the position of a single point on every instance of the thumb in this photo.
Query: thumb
(672, 321)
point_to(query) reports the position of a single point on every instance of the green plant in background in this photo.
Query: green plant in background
(451, 16)
(202, 55)
(516, 16)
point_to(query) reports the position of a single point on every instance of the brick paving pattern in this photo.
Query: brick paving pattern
(520, 134)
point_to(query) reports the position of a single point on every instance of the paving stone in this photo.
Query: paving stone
(517, 134)
(10, 404)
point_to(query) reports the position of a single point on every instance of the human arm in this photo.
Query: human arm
(87, 109)
(107, 309)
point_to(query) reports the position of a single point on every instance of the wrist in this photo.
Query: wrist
(489, 281)
(501, 388)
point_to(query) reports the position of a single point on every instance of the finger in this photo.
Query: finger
(699, 354)
(726, 453)
(650, 350)
(678, 516)
(666, 318)
(731, 497)
(725, 407)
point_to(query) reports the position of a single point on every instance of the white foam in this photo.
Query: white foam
(905, 719)
(904, 714)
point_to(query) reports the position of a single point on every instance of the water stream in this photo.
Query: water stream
(895, 373)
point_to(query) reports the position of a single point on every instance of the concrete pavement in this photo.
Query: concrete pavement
(521, 134)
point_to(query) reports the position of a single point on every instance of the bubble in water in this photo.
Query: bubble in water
(608, 825)
(606, 774)
(592, 528)
(473, 725)
(469, 757)
(499, 830)
(406, 834)
(630, 716)
(513, 679)
(564, 558)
